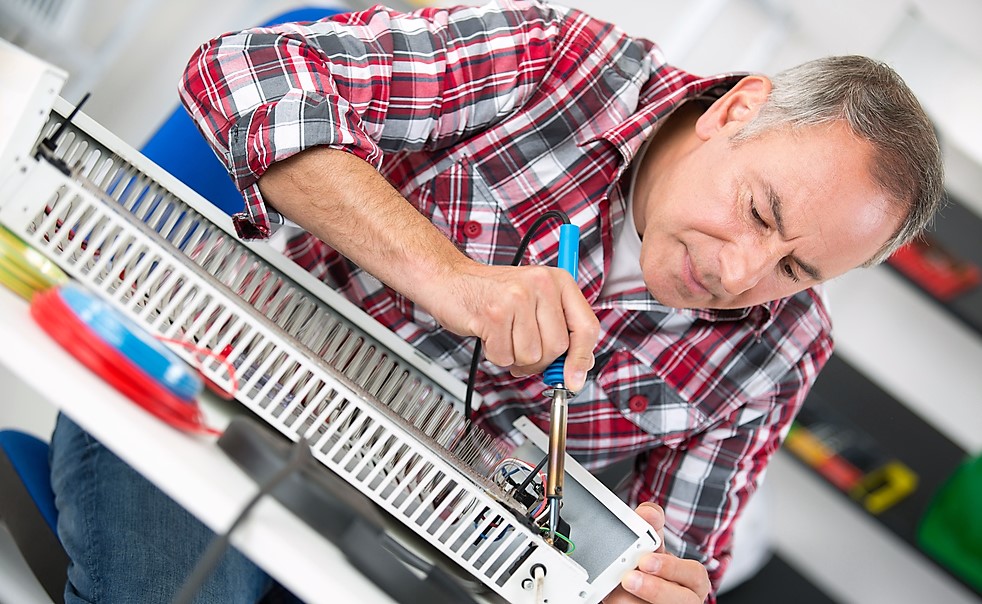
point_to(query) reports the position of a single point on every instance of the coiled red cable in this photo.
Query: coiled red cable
(61, 323)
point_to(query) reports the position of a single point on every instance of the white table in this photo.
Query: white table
(190, 469)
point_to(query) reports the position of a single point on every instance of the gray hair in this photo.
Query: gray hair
(878, 107)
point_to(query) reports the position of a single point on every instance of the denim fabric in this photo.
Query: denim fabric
(127, 540)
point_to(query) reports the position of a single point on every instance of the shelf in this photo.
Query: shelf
(948, 269)
(851, 431)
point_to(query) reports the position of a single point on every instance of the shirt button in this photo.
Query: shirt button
(472, 229)
(637, 403)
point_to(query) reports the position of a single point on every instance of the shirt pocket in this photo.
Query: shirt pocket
(470, 214)
(639, 394)
(459, 202)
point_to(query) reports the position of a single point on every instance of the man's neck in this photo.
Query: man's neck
(672, 140)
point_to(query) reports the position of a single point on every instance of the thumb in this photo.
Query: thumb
(584, 331)
(653, 514)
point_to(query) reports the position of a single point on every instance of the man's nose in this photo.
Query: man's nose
(743, 264)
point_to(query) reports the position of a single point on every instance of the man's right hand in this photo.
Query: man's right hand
(525, 316)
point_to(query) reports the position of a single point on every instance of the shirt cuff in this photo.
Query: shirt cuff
(275, 131)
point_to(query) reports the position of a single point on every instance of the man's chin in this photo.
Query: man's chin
(673, 298)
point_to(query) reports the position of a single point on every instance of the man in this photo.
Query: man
(416, 150)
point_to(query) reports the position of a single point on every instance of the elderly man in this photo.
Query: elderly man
(415, 151)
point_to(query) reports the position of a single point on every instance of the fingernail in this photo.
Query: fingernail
(651, 564)
(645, 512)
(633, 581)
(579, 378)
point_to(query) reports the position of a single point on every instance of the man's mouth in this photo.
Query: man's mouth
(691, 278)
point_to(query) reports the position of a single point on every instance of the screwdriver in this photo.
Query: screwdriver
(569, 256)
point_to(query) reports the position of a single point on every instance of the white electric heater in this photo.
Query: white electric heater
(307, 361)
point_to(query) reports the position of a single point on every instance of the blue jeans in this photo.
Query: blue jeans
(128, 541)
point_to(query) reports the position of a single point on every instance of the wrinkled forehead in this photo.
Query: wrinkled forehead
(833, 201)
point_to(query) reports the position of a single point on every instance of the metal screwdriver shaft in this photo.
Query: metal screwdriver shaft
(569, 255)
(557, 453)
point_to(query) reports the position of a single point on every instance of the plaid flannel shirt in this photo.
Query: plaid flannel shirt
(484, 118)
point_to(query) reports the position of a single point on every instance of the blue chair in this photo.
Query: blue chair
(27, 506)
(179, 148)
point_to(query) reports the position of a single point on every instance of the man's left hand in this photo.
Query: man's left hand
(661, 578)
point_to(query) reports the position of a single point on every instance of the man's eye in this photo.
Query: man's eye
(755, 213)
(789, 272)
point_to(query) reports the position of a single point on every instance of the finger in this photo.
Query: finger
(652, 588)
(498, 345)
(527, 341)
(689, 574)
(621, 596)
(584, 331)
(653, 514)
(552, 327)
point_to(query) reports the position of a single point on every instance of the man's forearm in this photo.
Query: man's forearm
(346, 203)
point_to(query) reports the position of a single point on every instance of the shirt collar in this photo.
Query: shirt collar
(665, 91)
(759, 316)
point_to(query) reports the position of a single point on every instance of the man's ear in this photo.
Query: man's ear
(735, 108)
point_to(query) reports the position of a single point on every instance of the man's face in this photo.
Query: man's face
(730, 225)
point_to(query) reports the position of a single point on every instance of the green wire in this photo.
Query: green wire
(572, 546)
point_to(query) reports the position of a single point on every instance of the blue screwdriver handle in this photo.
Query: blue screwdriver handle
(569, 260)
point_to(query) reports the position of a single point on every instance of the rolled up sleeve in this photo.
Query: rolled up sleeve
(368, 83)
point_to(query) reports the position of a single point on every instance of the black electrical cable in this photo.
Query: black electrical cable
(475, 357)
(299, 454)
(47, 147)
(533, 473)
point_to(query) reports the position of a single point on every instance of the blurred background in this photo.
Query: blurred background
(902, 404)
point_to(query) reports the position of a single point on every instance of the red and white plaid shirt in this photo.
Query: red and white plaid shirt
(484, 118)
